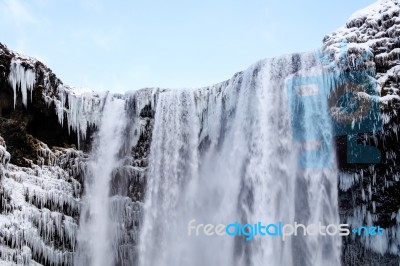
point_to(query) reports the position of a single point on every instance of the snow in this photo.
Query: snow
(375, 27)
(377, 9)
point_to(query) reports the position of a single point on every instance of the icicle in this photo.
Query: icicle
(22, 79)
(35, 201)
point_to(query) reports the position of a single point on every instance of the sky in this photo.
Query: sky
(127, 45)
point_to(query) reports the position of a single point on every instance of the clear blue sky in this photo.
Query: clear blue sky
(125, 45)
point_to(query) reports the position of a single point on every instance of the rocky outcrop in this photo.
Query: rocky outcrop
(41, 169)
(369, 193)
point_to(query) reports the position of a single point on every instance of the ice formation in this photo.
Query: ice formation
(80, 107)
(39, 209)
(22, 79)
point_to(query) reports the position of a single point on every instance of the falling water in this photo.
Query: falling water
(174, 161)
(227, 153)
(95, 229)
(235, 151)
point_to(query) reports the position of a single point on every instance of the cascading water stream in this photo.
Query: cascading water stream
(174, 162)
(229, 153)
(226, 154)
(96, 228)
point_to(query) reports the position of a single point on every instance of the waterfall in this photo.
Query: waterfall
(96, 228)
(173, 171)
(256, 148)
(233, 152)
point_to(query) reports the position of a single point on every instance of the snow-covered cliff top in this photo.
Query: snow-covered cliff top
(369, 33)
(377, 10)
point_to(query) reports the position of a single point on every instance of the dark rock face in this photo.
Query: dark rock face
(369, 193)
(128, 182)
(22, 127)
(40, 186)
